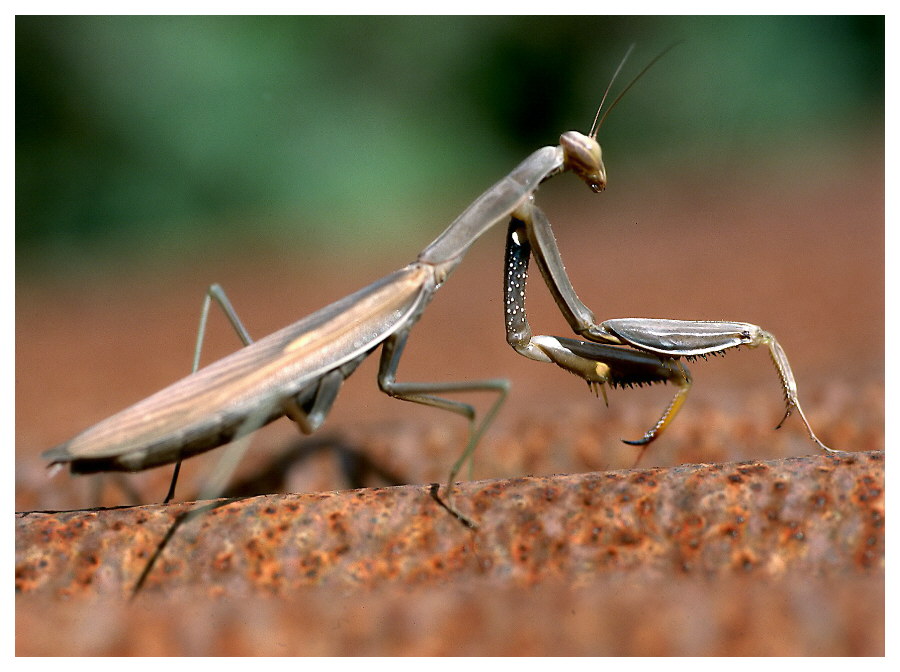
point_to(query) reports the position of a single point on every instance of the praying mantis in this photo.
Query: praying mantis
(298, 371)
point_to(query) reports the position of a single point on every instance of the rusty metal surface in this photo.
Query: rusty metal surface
(618, 613)
(781, 557)
(818, 515)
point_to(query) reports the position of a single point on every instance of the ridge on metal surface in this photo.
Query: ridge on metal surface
(822, 514)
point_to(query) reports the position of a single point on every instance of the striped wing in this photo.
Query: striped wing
(205, 409)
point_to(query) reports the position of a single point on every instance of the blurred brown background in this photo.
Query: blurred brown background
(297, 160)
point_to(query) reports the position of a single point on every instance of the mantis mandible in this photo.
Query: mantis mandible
(298, 371)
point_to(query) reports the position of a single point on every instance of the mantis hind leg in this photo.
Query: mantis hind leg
(217, 294)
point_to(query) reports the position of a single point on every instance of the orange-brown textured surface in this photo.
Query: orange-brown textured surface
(819, 515)
(801, 254)
(614, 615)
(785, 525)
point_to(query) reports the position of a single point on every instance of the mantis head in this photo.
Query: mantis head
(582, 155)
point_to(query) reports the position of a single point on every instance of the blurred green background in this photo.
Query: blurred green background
(138, 136)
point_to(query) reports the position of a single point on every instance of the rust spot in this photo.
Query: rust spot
(336, 523)
(222, 561)
(867, 488)
(754, 469)
(792, 532)
(627, 538)
(522, 553)
(644, 478)
(645, 506)
(534, 528)
(819, 499)
(868, 558)
(745, 561)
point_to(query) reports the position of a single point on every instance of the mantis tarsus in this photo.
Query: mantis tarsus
(299, 370)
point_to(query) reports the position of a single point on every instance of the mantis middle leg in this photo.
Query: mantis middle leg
(427, 394)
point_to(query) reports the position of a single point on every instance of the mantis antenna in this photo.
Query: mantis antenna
(598, 120)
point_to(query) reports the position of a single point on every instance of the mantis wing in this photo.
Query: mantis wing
(205, 409)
